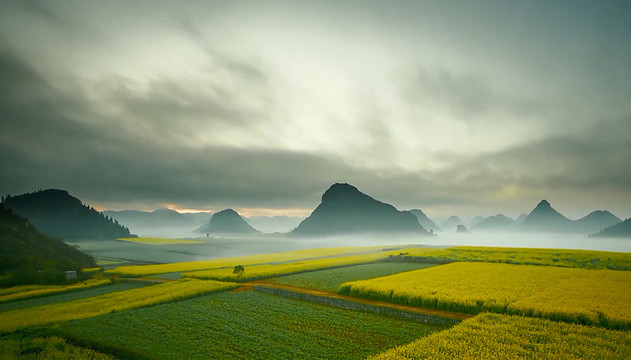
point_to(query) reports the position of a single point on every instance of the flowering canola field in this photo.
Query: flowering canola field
(494, 336)
(230, 262)
(584, 259)
(601, 297)
(103, 304)
(22, 292)
(273, 270)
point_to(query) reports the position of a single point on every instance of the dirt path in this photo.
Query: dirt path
(263, 283)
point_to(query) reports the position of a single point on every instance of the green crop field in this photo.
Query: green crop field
(244, 325)
(75, 295)
(330, 280)
(46, 348)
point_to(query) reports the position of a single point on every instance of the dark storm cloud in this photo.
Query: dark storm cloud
(595, 158)
(44, 147)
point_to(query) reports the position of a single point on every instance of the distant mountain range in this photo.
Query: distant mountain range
(160, 219)
(272, 224)
(58, 214)
(544, 218)
(346, 210)
(226, 222)
(622, 229)
(452, 223)
(520, 219)
(426, 222)
(475, 221)
(498, 222)
(27, 256)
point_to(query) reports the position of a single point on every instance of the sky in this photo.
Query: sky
(459, 107)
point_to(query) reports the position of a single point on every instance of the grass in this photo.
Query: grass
(330, 280)
(46, 348)
(70, 296)
(601, 297)
(583, 259)
(274, 270)
(246, 325)
(493, 336)
(31, 291)
(117, 301)
(161, 241)
(249, 260)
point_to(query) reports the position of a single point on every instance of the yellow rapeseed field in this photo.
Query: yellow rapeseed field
(296, 255)
(271, 270)
(116, 301)
(585, 259)
(29, 291)
(493, 336)
(584, 296)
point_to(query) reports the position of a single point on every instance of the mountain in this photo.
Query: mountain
(494, 223)
(520, 219)
(452, 223)
(596, 221)
(27, 256)
(58, 214)
(545, 218)
(226, 222)
(143, 221)
(475, 221)
(622, 229)
(461, 229)
(272, 224)
(346, 210)
(425, 222)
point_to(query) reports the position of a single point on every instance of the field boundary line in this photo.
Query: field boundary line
(353, 303)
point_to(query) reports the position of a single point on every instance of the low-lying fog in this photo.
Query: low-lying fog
(216, 247)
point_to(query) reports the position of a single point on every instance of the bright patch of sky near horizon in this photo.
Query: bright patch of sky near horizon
(459, 107)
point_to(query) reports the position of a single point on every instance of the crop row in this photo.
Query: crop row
(584, 259)
(31, 291)
(151, 295)
(493, 336)
(46, 348)
(144, 270)
(273, 270)
(331, 279)
(246, 325)
(600, 297)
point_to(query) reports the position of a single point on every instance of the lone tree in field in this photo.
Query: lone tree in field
(238, 270)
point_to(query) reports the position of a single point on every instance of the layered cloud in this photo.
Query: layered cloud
(216, 105)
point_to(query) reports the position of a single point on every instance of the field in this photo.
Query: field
(600, 297)
(199, 319)
(30, 291)
(584, 259)
(151, 295)
(144, 270)
(248, 324)
(70, 296)
(493, 336)
(160, 241)
(46, 348)
(330, 280)
(274, 270)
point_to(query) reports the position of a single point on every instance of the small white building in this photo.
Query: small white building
(72, 274)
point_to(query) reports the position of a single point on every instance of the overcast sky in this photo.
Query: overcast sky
(453, 107)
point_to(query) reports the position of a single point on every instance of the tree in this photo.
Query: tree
(238, 270)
